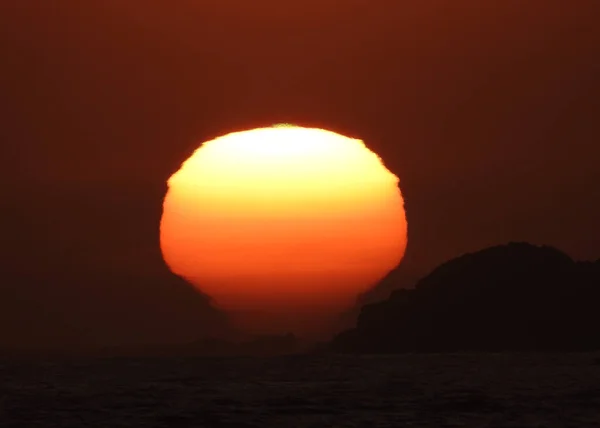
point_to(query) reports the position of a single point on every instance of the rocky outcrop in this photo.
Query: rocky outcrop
(510, 297)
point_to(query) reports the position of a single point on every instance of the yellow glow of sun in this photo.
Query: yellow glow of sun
(283, 226)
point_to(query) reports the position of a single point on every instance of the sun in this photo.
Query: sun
(283, 226)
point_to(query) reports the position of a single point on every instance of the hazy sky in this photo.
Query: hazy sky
(487, 114)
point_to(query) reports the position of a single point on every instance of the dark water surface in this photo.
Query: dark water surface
(466, 390)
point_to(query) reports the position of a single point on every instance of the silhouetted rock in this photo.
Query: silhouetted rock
(511, 297)
(398, 278)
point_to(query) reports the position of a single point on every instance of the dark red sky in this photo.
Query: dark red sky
(490, 116)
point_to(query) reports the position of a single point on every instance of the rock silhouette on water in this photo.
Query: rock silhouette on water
(517, 297)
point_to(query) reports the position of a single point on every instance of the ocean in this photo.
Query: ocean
(415, 390)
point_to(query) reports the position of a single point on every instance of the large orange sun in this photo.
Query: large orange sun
(284, 226)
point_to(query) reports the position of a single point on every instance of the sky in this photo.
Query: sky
(488, 114)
